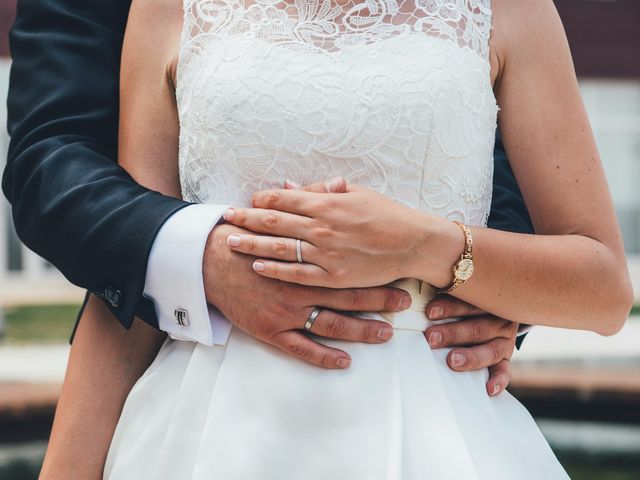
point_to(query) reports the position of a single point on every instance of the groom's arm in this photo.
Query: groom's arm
(72, 204)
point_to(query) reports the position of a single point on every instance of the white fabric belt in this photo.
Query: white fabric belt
(413, 318)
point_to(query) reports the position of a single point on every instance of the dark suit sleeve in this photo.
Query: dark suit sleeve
(508, 210)
(72, 204)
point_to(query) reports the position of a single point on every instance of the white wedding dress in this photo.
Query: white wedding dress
(394, 96)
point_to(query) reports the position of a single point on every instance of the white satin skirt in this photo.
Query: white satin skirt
(247, 411)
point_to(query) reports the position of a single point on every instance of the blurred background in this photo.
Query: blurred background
(584, 390)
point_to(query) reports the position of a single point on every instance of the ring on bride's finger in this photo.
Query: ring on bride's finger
(299, 250)
(312, 318)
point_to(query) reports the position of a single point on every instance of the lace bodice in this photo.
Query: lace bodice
(394, 95)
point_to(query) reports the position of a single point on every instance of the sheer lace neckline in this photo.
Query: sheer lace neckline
(333, 25)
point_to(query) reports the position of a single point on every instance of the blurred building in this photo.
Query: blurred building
(605, 41)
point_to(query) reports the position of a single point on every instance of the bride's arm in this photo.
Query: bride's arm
(572, 274)
(106, 360)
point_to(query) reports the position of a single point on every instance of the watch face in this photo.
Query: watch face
(464, 269)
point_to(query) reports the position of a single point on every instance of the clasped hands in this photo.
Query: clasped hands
(355, 238)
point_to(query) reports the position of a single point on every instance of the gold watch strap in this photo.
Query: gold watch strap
(466, 254)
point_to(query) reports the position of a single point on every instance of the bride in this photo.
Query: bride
(400, 98)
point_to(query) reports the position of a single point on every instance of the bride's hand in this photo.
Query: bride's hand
(356, 238)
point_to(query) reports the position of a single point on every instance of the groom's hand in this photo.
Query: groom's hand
(480, 340)
(275, 311)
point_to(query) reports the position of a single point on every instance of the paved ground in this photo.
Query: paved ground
(42, 291)
(43, 363)
(553, 344)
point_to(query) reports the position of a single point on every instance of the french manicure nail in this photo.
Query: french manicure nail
(435, 312)
(496, 390)
(335, 184)
(233, 240)
(293, 184)
(343, 362)
(258, 266)
(228, 214)
(458, 359)
(385, 333)
(435, 339)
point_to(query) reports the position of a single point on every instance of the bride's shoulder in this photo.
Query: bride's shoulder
(156, 13)
(153, 33)
(523, 28)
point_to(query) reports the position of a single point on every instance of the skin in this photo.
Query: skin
(575, 269)
(572, 274)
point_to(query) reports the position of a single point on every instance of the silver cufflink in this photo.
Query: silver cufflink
(181, 316)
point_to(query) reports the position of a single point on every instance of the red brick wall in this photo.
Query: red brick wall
(7, 14)
(604, 36)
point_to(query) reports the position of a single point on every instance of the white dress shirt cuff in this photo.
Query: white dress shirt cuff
(174, 280)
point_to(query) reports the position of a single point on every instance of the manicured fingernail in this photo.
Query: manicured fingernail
(405, 301)
(496, 390)
(335, 184)
(293, 184)
(458, 359)
(435, 339)
(228, 214)
(436, 312)
(233, 240)
(343, 362)
(258, 266)
(385, 333)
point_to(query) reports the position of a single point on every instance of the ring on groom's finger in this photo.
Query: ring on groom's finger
(312, 318)
(299, 250)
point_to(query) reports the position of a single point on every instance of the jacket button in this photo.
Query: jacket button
(112, 296)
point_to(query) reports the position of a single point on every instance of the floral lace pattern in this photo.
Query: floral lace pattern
(394, 95)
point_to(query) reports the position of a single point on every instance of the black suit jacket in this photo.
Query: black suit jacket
(72, 203)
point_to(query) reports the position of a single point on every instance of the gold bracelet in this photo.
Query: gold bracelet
(463, 268)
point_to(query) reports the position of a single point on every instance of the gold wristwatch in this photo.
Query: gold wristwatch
(463, 268)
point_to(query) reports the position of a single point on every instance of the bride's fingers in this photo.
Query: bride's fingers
(334, 185)
(299, 345)
(332, 324)
(294, 272)
(499, 377)
(278, 248)
(272, 222)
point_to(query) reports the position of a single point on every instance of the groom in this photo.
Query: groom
(156, 257)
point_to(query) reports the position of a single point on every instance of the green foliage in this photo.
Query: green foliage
(39, 323)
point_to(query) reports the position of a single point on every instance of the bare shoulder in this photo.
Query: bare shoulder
(157, 13)
(152, 35)
(525, 29)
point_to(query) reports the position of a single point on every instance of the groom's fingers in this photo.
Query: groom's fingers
(471, 331)
(332, 324)
(446, 306)
(481, 356)
(499, 377)
(374, 299)
(299, 345)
